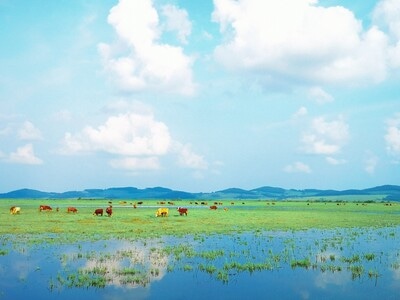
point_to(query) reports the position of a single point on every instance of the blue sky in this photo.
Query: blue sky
(199, 95)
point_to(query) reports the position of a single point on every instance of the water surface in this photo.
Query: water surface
(312, 264)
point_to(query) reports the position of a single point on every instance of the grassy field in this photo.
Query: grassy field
(238, 216)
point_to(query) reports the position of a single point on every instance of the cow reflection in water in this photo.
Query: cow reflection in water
(130, 265)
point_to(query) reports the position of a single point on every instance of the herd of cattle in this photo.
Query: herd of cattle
(160, 212)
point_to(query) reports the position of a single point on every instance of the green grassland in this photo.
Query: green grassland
(230, 217)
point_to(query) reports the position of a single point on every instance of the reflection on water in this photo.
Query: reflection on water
(312, 264)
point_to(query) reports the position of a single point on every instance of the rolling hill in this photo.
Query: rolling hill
(384, 193)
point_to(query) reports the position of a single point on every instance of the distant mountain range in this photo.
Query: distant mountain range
(384, 192)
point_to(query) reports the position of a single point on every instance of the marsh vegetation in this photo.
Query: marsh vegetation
(249, 241)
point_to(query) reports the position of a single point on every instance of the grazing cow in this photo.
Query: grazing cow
(214, 207)
(45, 208)
(182, 211)
(162, 212)
(72, 209)
(98, 212)
(109, 211)
(15, 210)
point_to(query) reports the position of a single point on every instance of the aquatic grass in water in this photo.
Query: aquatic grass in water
(264, 240)
(127, 264)
(303, 263)
(212, 254)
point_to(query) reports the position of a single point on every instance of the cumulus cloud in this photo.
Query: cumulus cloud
(370, 163)
(136, 141)
(319, 95)
(297, 167)
(387, 15)
(325, 137)
(145, 62)
(128, 134)
(177, 20)
(25, 155)
(28, 131)
(190, 159)
(335, 161)
(392, 136)
(302, 111)
(302, 41)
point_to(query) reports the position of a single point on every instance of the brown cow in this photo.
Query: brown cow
(98, 211)
(45, 208)
(182, 211)
(109, 211)
(72, 209)
(214, 207)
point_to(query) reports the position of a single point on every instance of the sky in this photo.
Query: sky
(199, 96)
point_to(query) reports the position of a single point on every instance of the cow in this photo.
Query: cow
(214, 207)
(162, 212)
(72, 209)
(98, 212)
(109, 211)
(15, 210)
(45, 208)
(182, 211)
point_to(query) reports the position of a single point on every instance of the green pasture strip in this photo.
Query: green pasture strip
(239, 216)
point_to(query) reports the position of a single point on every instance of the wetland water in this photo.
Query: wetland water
(356, 263)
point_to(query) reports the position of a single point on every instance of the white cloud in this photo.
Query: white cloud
(145, 62)
(177, 20)
(25, 155)
(319, 95)
(128, 134)
(29, 132)
(387, 14)
(301, 41)
(325, 137)
(302, 111)
(189, 159)
(392, 136)
(335, 161)
(370, 163)
(135, 140)
(297, 167)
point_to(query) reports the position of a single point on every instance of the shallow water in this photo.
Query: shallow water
(313, 264)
